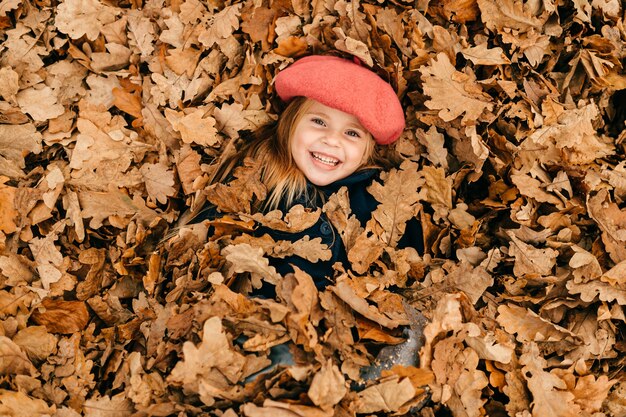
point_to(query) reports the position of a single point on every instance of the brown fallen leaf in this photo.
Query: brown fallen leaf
(388, 396)
(8, 214)
(127, 102)
(59, 316)
(453, 93)
(344, 291)
(13, 360)
(550, 394)
(36, 342)
(235, 196)
(295, 220)
(328, 386)
(19, 404)
(291, 47)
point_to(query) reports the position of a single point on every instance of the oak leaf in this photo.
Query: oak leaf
(291, 46)
(194, 127)
(398, 199)
(338, 211)
(328, 386)
(8, 214)
(19, 404)
(612, 222)
(550, 394)
(212, 361)
(188, 168)
(283, 409)
(530, 327)
(16, 269)
(313, 250)
(257, 25)
(13, 360)
(453, 93)
(40, 103)
(352, 46)
(230, 119)
(473, 281)
(221, 26)
(531, 260)
(590, 392)
(115, 206)
(127, 102)
(15, 142)
(140, 33)
(388, 396)
(9, 83)
(159, 181)
(36, 342)
(116, 58)
(434, 143)
(183, 60)
(482, 55)
(344, 291)
(236, 196)
(590, 291)
(48, 258)
(192, 11)
(79, 18)
(105, 406)
(366, 249)
(507, 14)
(245, 258)
(531, 187)
(296, 220)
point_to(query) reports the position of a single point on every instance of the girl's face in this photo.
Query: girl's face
(328, 145)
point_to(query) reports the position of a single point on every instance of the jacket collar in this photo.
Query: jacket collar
(361, 176)
(312, 197)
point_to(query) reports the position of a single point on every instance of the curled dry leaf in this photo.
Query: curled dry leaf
(19, 404)
(530, 327)
(296, 220)
(530, 260)
(36, 342)
(345, 292)
(328, 386)
(388, 396)
(13, 360)
(59, 316)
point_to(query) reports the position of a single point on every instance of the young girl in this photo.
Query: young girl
(338, 112)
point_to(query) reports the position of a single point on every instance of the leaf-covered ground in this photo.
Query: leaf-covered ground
(112, 115)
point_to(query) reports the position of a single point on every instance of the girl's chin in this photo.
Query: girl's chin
(322, 179)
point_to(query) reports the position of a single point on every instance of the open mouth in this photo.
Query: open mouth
(325, 159)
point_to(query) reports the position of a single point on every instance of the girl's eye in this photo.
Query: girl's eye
(318, 121)
(353, 133)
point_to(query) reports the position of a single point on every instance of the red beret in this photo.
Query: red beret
(346, 86)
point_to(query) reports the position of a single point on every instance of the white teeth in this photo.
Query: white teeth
(325, 159)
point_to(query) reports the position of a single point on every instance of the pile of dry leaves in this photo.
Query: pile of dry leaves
(112, 115)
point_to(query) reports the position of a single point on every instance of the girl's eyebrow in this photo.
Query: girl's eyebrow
(325, 116)
(317, 113)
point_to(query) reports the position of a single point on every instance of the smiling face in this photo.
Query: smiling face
(328, 145)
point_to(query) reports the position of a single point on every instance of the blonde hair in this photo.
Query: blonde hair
(272, 145)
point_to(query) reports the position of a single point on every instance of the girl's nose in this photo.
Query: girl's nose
(332, 137)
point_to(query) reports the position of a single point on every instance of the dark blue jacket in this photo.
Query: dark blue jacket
(362, 205)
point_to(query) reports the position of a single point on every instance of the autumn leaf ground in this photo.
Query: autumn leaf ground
(112, 115)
